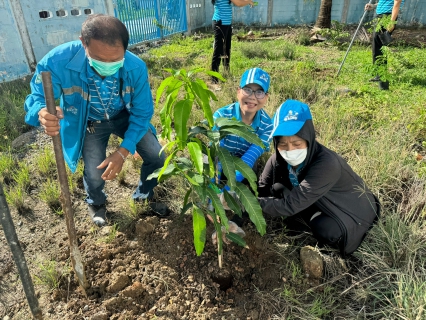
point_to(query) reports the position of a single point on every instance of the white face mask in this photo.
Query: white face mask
(294, 157)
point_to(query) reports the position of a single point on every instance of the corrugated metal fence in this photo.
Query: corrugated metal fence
(151, 19)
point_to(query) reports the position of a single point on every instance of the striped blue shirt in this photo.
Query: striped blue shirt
(239, 147)
(108, 89)
(223, 11)
(385, 6)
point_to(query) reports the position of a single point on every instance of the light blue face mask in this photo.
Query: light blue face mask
(105, 69)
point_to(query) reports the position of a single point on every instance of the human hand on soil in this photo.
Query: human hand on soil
(233, 228)
(113, 163)
(50, 122)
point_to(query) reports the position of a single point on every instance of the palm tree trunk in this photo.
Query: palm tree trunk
(324, 15)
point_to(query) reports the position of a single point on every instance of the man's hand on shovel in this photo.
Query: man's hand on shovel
(50, 122)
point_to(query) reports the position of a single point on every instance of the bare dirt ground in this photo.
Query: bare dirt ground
(150, 270)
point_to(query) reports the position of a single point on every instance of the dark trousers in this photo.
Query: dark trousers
(377, 43)
(324, 228)
(222, 46)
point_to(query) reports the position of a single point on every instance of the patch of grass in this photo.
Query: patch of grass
(15, 196)
(12, 114)
(112, 234)
(50, 274)
(22, 176)
(50, 193)
(7, 166)
(46, 163)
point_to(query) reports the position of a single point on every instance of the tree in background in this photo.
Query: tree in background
(324, 15)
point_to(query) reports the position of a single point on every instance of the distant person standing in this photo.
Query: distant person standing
(384, 8)
(222, 27)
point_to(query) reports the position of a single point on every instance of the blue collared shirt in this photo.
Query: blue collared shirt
(108, 89)
(294, 174)
(262, 126)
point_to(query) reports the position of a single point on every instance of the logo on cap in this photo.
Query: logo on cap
(264, 77)
(291, 116)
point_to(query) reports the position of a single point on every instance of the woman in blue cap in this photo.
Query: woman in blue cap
(306, 180)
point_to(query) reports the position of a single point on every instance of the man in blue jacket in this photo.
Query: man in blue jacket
(103, 90)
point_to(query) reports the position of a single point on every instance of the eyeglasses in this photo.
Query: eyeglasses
(259, 94)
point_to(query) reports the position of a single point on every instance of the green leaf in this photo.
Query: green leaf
(166, 164)
(181, 113)
(252, 206)
(169, 170)
(201, 192)
(224, 122)
(190, 179)
(168, 146)
(218, 207)
(204, 101)
(237, 239)
(161, 88)
(184, 164)
(247, 172)
(215, 74)
(199, 226)
(199, 179)
(195, 71)
(228, 167)
(249, 136)
(206, 150)
(232, 203)
(196, 155)
(197, 130)
(214, 136)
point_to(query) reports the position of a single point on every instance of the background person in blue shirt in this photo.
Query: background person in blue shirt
(384, 8)
(103, 90)
(252, 96)
(222, 28)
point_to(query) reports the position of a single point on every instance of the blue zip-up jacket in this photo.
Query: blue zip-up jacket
(67, 64)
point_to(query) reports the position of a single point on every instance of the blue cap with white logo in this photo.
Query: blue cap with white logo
(290, 118)
(258, 76)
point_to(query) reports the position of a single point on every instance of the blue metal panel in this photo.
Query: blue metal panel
(13, 62)
(151, 19)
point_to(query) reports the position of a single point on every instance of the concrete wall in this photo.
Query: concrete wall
(31, 28)
(270, 13)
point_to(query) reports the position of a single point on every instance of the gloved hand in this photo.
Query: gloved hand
(233, 227)
(277, 190)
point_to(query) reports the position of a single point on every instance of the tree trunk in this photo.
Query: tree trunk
(324, 15)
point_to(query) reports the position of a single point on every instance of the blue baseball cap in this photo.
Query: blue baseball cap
(256, 75)
(290, 118)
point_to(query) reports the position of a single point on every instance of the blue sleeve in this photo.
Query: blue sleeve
(35, 101)
(252, 154)
(140, 113)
